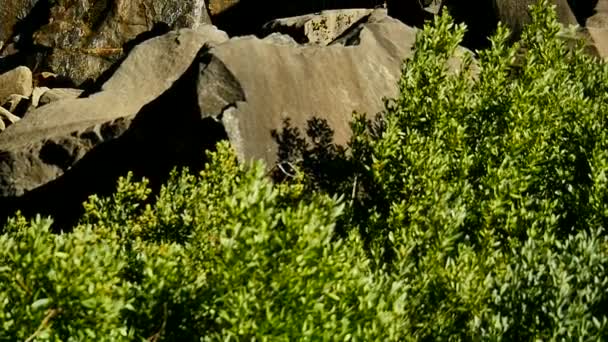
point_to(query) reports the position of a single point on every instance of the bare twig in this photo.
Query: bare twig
(354, 193)
(52, 313)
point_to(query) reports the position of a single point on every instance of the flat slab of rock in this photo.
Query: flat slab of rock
(16, 82)
(73, 127)
(252, 95)
(319, 28)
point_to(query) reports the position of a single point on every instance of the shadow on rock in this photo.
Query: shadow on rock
(318, 157)
(93, 86)
(27, 53)
(248, 16)
(332, 169)
(165, 134)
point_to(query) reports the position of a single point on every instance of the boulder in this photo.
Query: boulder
(52, 138)
(83, 39)
(253, 96)
(17, 81)
(319, 28)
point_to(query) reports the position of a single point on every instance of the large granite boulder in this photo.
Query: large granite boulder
(253, 96)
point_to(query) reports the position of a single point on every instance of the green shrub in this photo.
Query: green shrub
(473, 208)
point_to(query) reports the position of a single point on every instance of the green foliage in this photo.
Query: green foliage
(473, 208)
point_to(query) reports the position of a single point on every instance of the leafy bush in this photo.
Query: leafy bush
(474, 207)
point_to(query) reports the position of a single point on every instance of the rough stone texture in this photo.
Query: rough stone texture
(86, 37)
(320, 29)
(253, 96)
(11, 12)
(57, 94)
(51, 139)
(17, 81)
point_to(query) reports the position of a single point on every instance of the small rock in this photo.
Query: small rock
(17, 81)
(16, 104)
(7, 118)
(37, 94)
(57, 94)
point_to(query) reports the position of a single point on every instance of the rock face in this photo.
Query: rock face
(253, 96)
(319, 29)
(82, 39)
